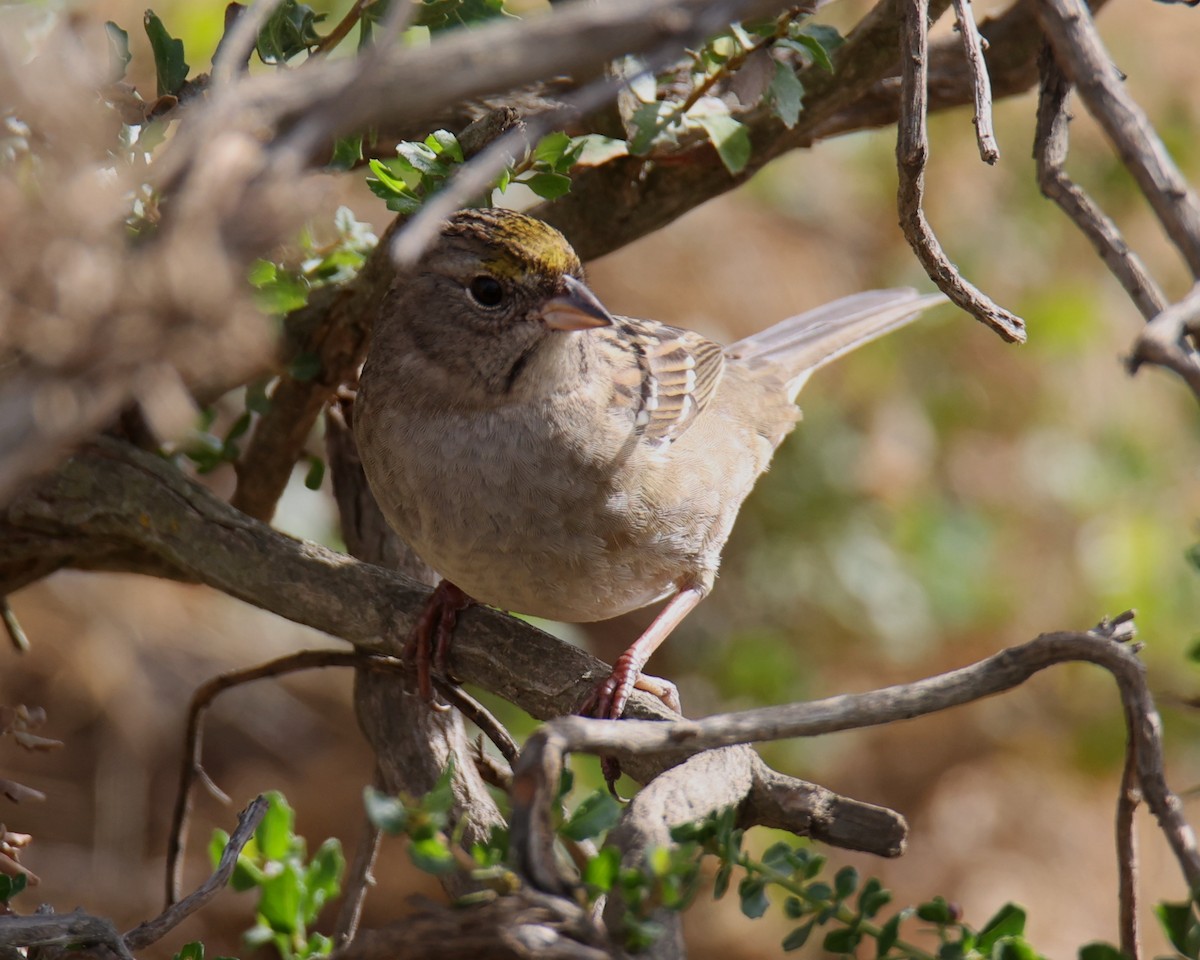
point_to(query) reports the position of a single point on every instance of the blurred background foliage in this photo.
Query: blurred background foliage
(945, 496)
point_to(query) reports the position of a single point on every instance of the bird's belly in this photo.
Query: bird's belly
(520, 522)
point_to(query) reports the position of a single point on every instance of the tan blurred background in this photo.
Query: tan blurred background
(947, 495)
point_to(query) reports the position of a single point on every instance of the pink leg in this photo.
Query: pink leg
(429, 642)
(611, 696)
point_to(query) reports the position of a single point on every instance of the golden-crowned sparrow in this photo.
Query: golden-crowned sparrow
(550, 458)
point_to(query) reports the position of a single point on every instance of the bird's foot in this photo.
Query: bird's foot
(608, 701)
(428, 644)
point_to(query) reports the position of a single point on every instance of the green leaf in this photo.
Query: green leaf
(421, 160)
(845, 882)
(1192, 555)
(347, 153)
(325, 870)
(261, 273)
(889, 933)
(118, 51)
(646, 122)
(594, 816)
(1014, 948)
(283, 294)
(600, 872)
(288, 32)
(1175, 919)
(798, 937)
(385, 812)
(873, 898)
(1009, 921)
(191, 951)
(169, 65)
(444, 142)
(820, 40)
(551, 148)
(793, 908)
(432, 854)
(315, 475)
(936, 910)
(842, 941)
(385, 178)
(818, 893)
(11, 886)
(729, 137)
(275, 834)
(279, 902)
(786, 94)
(444, 14)
(548, 186)
(440, 799)
(595, 149)
(1100, 951)
(752, 892)
(721, 881)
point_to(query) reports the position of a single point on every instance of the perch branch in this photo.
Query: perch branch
(93, 514)
(912, 152)
(73, 929)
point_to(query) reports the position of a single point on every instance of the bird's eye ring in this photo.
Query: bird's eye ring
(486, 291)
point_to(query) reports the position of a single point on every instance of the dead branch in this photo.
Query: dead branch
(989, 150)
(1162, 341)
(1082, 56)
(912, 152)
(1050, 152)
(154, 930)
(1106, 646)
(77, 929)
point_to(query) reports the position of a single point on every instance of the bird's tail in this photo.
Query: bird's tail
(804, 343)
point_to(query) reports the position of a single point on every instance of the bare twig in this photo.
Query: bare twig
(191, 766)
(154, 930)
(343, 27)
(912, 150)
(536, 774)
(1081, 54)
(989, 150)
(1127, 864)
(1050, 152)
(1161, 340)
(481, 716)
(358, 880)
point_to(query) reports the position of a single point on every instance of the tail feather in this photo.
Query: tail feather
(805, 343)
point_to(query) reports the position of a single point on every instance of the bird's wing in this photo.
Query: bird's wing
(673, 379)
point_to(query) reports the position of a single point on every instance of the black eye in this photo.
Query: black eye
(487, 291)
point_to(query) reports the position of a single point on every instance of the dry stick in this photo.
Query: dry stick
(912, 151)
(542, 758)
(191, 767)
(194, 735)
(1080, 52)
(989, 150)
(358, 880)
(154, 930)
(1161, 340)
(1127, 863)
(1050, 151)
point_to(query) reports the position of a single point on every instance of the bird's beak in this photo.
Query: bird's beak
(575, 307)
